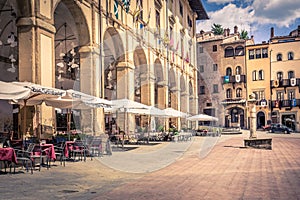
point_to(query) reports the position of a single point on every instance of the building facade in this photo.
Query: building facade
(138, 50)
(258, 80)
(228, 73)
(285, 82)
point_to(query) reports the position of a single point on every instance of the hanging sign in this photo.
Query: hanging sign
(293, 81)
(237, 78)
(226, 79)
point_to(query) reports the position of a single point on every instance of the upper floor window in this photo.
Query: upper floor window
(202, 90)
(215, 67)
(215, 48)
(279, 76)
(180, 8)
(280, 95)
(239, 51)
(251, 54)
(265, 52)
(229, 52)
(238, 70)
(291, 74)
(259, 94)
(200, 49)
(291, 94)
(257, 53)
(157, 20)
(215, 88)
(201, 68)
(140, 5)
(279, 57)
(228, 93)
(189, 21)
(254, 75)
(228, 71)
(290, 56)
(239, 93)
(261, 75)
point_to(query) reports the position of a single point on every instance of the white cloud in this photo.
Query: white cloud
(280, 12)
(219, 1)
(229, 16)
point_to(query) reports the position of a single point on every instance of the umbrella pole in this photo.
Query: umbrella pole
(125, 120)
(24, 120)
(149, 117)
(68, 123)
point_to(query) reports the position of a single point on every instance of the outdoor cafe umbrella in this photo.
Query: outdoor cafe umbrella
(126, 106)
(202, 117)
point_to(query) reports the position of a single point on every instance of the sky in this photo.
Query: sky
(255, 16)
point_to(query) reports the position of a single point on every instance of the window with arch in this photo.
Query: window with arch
(290, 56)
(228, 71)
(229, 52)
(228, 93)
(279, 76)
(254, 75)
(234, 116)
(238, 70)
(279, 57)
(291, 74)
(239, 51)
(261, 75)
(238, 93)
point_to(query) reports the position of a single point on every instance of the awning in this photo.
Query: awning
(234, 101)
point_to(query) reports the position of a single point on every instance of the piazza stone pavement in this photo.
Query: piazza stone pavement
(203, 168)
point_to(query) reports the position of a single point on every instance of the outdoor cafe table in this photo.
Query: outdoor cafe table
(48, 149)
(69, 146)
(8, 154)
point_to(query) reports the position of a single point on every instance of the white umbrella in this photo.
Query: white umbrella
(170, 112)
(202, 117)
(9, 91)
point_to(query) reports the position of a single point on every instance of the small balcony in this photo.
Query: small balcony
(234, 79)
(283, 83)
(285, 103)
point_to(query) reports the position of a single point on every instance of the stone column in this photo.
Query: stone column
(36, 45)
(125, 89)
(252, 109)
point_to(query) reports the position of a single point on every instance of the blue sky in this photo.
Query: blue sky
(255, 16)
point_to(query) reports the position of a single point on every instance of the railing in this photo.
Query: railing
(284, 83)
(233, 79)
(285, 103)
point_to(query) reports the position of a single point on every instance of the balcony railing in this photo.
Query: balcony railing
(234, 79)
(284, 83)
(285, 103)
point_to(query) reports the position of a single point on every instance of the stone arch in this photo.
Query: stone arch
(140, 76)
(8, 52)
(79, 19)
(183, 94)
(113, 49)
(159, 90)
(191, 98)
(72, 33)
(260, 119)
(236, 116)
(172, 99)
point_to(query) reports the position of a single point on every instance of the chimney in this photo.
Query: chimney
(235, 29)
(272, 32)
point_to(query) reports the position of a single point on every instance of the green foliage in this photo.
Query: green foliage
(217, 29)
(244, 35)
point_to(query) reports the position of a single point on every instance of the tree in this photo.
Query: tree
(217, 29)
(244, 35)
